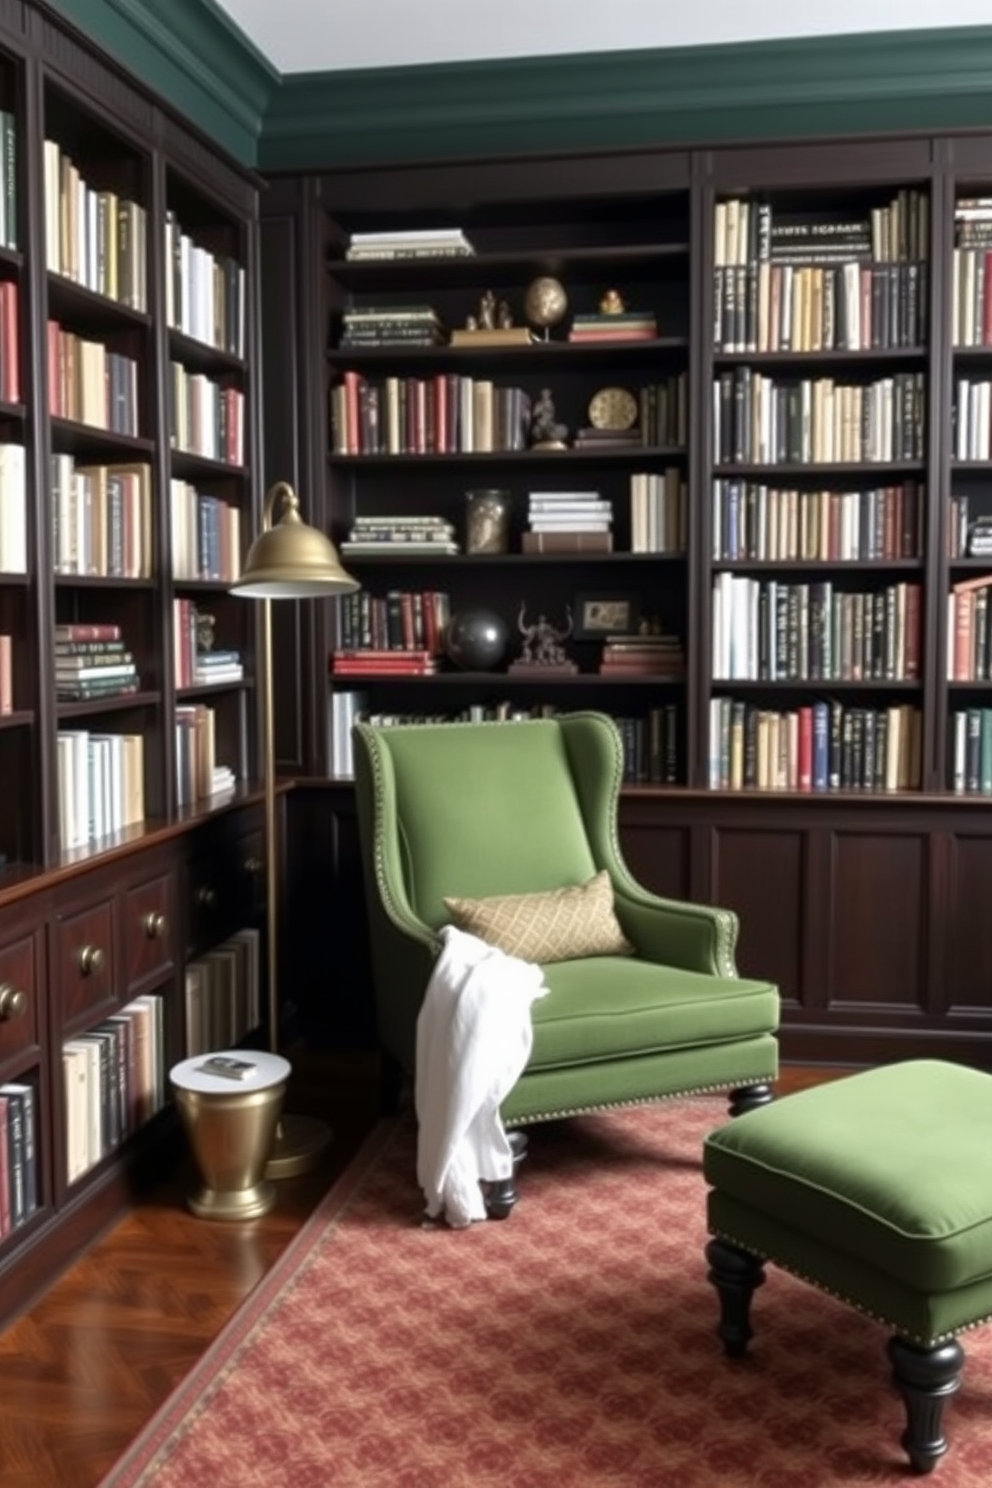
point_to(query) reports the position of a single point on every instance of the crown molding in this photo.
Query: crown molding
(194, 57)
(917, 80)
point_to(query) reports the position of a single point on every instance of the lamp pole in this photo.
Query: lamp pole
(288, 560)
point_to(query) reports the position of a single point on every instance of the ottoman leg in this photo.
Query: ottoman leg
(749, 1098)
(736, 1274)
(926, 1379)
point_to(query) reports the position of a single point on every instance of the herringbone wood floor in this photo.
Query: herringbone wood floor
(86, 1366)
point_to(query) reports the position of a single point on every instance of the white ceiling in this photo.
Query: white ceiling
(326, 35)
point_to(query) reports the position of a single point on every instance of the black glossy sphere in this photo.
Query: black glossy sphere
(476, 640)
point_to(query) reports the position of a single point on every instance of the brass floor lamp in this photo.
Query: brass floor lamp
(287, 560)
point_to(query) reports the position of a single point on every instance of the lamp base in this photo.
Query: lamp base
(297, 1147)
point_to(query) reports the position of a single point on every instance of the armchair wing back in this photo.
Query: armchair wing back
(477, 810)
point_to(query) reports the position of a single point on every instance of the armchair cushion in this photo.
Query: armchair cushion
(620, 1007)
(558, 925)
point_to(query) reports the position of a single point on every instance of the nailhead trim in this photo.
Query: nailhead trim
(840, 1296)
(733, 1082)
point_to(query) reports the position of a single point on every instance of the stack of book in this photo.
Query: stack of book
(379, 535)
(568, 522)
(392, 325)
(430, 242)
(213, 667)
(980, 537)
(92, 661)
(372, 661)
(625, 325)
(198, 771)
(642, 656)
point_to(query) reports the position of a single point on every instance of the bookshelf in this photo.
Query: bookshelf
(858, 526)
(416, 428)
(130, 827)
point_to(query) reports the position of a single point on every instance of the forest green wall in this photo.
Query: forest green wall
(192, 55)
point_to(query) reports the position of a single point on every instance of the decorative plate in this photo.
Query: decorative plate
(613, 408)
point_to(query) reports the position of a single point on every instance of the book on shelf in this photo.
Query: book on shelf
(354, 661)
(345, 708)
(820, 279)
(93, 669)
(441, 242)
(101, 779)
(824, 746)
(6, 674)
(397, 325)
(13, 509)
(566, 542)
(494, 336)
(413, 534)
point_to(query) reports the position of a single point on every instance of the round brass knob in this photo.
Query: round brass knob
(206, 898)
(253, 866)
(13, 1002)
(91, 959)
(155, 925)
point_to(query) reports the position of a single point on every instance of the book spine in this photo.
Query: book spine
(567, 542)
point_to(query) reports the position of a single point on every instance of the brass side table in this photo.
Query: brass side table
(230, 1125)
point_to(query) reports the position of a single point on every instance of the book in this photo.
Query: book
(566, 542)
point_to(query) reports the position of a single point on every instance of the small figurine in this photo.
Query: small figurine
(545, 431)
(471, 324)
(487, 311)
(205, 630)
(612, 303)
(504, 316)
(542, 642)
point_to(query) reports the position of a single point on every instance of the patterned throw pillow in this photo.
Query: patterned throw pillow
(560, 925)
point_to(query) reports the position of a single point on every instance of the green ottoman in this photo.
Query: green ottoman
(877, 1189)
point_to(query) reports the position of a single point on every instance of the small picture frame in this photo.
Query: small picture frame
(609, 613)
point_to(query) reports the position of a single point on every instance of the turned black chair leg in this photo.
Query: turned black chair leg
(926, 1379)
(736, 1274)
(501, 1197)
(749, 1098)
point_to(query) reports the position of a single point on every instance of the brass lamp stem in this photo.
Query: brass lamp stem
(271, 851)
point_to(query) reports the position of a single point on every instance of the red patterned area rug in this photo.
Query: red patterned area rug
(570, 1346)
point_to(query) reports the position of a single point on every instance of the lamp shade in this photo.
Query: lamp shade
(289, 559)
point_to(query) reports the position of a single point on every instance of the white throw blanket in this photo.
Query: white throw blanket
(474, 1037)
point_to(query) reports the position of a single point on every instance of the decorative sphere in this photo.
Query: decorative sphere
(545, 302)
(476, 640)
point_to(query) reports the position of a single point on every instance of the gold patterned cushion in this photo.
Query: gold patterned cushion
(560, 925)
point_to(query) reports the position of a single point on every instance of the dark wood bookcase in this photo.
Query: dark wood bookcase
(861, 900)
(116, 219)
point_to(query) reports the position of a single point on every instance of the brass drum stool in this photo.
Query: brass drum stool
(231, 1124)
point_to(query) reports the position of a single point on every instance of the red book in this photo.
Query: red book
(87, 632)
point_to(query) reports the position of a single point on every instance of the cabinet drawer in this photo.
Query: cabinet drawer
(20, 988)
(149, 930)
(84, 960)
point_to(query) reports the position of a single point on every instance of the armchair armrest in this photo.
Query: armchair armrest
(671, 932)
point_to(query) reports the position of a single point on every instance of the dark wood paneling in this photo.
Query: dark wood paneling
(878, 920)
(325, 956)
(657, 856)
(844, 162)
(760, 874)
(405, 188)
(966, 985)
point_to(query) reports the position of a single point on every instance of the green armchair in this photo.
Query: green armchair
(481, 809)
